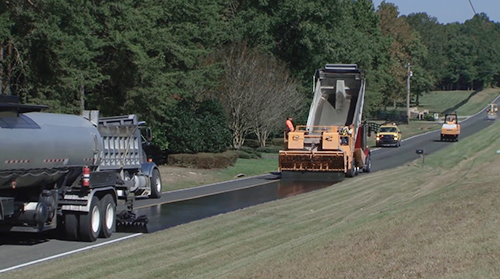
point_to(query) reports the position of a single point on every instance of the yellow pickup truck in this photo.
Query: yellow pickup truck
(388, 135)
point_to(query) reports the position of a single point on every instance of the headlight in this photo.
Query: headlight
(395, 138)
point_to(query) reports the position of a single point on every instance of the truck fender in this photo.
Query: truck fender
(100, 192)
(147, 168)
(155, 184)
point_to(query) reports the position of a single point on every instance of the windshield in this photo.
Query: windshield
(388, 130)
(450, 118)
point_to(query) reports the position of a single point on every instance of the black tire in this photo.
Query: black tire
(368, 164)
(350, 173)
(71, 226)
(156, 185)
(108, 216)
(90, 222)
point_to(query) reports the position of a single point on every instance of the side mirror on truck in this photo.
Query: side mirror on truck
(147, 135)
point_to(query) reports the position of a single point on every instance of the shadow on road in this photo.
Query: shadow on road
(24, 239)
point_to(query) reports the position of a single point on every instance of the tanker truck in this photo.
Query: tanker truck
(67, 172)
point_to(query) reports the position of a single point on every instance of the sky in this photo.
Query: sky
(447, 11)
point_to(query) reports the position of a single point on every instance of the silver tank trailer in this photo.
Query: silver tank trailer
(40, 148)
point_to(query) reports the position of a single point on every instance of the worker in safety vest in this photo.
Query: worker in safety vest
(289, 125)
(345, 132)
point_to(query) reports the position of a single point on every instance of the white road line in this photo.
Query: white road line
(69, 253)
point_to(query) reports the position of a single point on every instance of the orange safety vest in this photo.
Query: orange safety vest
(289, 126)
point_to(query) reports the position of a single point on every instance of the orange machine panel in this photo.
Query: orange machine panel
(296, 140)
(330, 141)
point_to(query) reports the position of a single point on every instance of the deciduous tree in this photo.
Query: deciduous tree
(256, 92)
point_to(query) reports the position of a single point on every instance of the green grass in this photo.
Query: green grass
(181, 178)
(463, 102)
(439, 220)
(250, 167)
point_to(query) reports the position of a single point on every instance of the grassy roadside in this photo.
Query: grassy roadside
(463, 102)
(432, 221)
(175, 178)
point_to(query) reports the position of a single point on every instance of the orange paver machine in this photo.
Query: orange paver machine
(334, 139)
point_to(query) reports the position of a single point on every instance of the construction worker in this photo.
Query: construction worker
(345, 132)
(289, 125)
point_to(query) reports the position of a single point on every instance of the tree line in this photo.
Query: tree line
(208, 74)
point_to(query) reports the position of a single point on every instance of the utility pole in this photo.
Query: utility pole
(408, 91)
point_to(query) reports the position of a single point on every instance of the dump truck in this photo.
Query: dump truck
(333, 143)
(450, 130)
(70, 172)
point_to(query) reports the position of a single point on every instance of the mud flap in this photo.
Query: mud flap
(359, 157)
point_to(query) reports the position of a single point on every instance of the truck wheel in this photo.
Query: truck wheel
(90, 222)
(71, 226)
(368, 164)
(108, 216)
(352, 171)
(155, 185)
